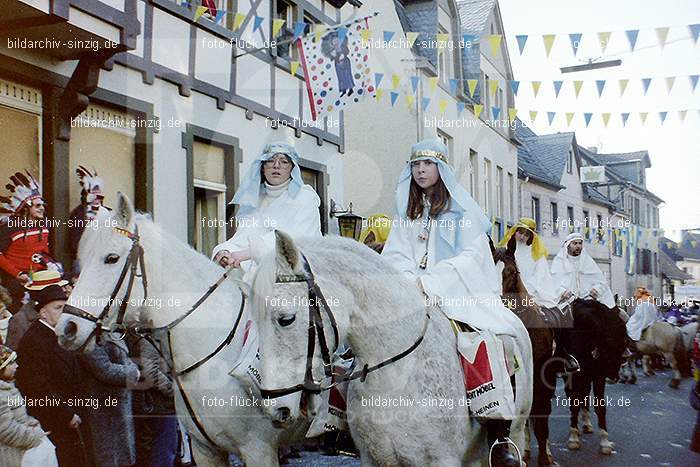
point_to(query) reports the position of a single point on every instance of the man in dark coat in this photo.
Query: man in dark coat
(49, 377)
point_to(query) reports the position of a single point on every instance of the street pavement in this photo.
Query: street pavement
(649, 423)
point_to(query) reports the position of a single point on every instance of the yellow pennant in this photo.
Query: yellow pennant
(569, 118)
(493, 86)
(643, 117)
(495, 42)
(238, 20)
(442, 40)
(533, 115)
(366, 34)
(294, 66)
(478, 108)
(662, 34)
(606, 118)
(319, 29)
(577, 87)
(682, 114)
(411, 38)
(433, 82)
(395, 81)
(669, 83)
(443, 105)
(512, 113)
(603, 40)
(471, 84)
(548, 42)
(410, 99)
(623, 86)
(536, 87)
(379, 94)
(277, 26)
(199, 12)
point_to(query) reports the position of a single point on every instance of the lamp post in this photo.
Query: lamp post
(349, 223)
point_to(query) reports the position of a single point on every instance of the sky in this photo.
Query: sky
(674, 147)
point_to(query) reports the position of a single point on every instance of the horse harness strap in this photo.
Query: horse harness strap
(316, 329)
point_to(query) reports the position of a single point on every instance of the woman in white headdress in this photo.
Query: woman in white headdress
(272, 196)
(439, 239)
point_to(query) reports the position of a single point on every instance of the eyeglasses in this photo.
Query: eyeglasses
(280, 159)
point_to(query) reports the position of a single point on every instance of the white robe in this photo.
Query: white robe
(644, 316)
(467, 287)
(536, 276)
(580, 276)
(298, 217)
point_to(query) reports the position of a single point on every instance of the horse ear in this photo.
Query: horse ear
(288, 256)
(125, 212)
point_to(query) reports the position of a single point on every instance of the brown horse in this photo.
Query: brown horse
(545, 366)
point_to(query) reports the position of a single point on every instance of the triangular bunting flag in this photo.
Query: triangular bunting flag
(536, 87)
(277, 26)
(471, 84)
(410, 99)
(662, 34)
(199, 12)
(577, 87)
(294, 66)
(443, 105)
(669, 83)
(575, 42)
(600, 83)
(478, 108)
(557, 87)
(426, 103)
(468, 40)
(682, 114)
(533, 115)
(453, 86)
(388, 35)
(606, 118)
(694, 31)
(379, 94)
(548, 40)
(550, 117)
(625, 116)
(460, 107)
(623, 86)
(414, 83)
(442, 39)
(433, 82)
(645, 84)
(319, 30)
(220, 14)
(587, 116)
(522, 40)
(569, 118)
(493, 86)
(662, 117)
(632, 37)
(512, 113)
(411, 38)
(342, 33)
(378, 79)
(366, 34)
(394, 96)
(240, 17)
(257, 22)
(643, 117)
(299, 27)
(395, 81)
(495, 43)
(693, 82)
(515, 85)
(495, 111)
(603, 40)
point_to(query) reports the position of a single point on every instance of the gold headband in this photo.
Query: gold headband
(429, 153)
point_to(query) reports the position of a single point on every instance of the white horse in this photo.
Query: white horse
(221, 417)
(409, 412)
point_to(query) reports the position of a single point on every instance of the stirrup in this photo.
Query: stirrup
(506, 440)
(570, 370)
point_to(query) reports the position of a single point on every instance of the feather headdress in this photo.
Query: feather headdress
(89, 181)
(24, 189)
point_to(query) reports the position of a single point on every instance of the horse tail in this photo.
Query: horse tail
(681, 355)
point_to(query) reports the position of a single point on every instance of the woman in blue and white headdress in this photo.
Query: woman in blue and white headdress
(271, 196)
(439, 239)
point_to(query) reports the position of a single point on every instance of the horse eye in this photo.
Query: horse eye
(111, 258)
(285, 321)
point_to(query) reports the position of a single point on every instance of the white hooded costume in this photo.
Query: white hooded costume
(291, 207)
(580, 275)
(536, 276)
(645, 314)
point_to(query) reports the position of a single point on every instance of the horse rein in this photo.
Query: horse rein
(316, 332)
(134, 261)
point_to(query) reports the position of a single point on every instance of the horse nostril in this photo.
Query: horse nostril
(70, 330)
(283, 414)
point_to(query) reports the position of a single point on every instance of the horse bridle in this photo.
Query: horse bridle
(316, 332)
(134, 261)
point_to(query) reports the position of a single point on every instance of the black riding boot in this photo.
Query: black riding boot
(498, 431)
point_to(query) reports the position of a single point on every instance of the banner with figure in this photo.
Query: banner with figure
(336, 67)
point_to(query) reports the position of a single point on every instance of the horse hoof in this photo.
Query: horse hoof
(605, 447)
(546, 461)
(606, 450)
(674, 383)
(573, 442)
(588, 428)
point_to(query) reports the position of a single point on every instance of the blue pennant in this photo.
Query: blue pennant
(632, 37)
(342, 34)
(258, 22)
(625, 116)
(646, 82)
(394, 96)
(514, 85)
(575, 42)
(522, 39)
(693, 81)
(662, 116)
(299, 29)
(557, 87)
(600, 83)
(453, 86)
(426, 103)
(460, 107)
(587, 116)
(378, 79)
(414, 83)
(388, 35)
(550, 116)
(695, 31)
(496, 111)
